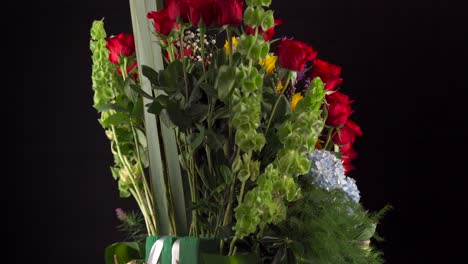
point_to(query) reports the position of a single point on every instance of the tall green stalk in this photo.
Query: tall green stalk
(163, 155)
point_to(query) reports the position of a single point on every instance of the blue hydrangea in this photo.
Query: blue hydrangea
(327, 172)
(351, 189)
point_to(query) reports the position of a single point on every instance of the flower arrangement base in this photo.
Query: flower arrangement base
(189, 250)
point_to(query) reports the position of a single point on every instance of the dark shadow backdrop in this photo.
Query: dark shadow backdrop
(404, 64)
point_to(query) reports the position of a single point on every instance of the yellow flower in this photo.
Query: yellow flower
(296, 98)
(234, 46)
(269, 63)
(279, 87)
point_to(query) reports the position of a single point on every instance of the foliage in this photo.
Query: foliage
(124, 253)
(122, 118)
(133, 227)
(243, 127)
(328, 227)
(266, 203)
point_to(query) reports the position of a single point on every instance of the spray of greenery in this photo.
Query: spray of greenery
(122, 118)
(328, 228)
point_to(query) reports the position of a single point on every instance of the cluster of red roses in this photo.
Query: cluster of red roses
(339, 111)
(223, 12)
(123, 46)
(294, 55)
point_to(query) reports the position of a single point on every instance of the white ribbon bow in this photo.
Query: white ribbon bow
(156, 251)
(157, 248)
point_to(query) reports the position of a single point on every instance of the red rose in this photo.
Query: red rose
(347, 135)
(329, 73)
(202, 9)
(162, 22)
(267, 35)
(347, 158)
(178, 8)
(229, 12)
(339, 109)
(120, 45)
(293, 54)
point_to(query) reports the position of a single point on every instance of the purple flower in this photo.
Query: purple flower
(121, 215)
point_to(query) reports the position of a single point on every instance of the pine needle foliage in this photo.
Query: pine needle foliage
(133, 227)
(328, 228)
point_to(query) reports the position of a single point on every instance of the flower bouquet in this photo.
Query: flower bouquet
(235, 145)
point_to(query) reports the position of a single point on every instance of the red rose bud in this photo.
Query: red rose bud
(293, 54)
(329, 73)
(162, 22)
(339, 109)
(178, 8)
(347, 135)
(202, 9)
(347, 158)
(229, 12)
(267, 35)
(120, 45)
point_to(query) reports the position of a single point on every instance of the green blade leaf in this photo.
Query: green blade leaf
(148, 53)
(163, 154)
(123, 252)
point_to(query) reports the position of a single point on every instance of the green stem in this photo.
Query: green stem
(183, 59)
(137, 194)
(329, 137)
(202, 44)
(231, 51)
(149, 197)
(228, 213)
(288, 79)
(232, 246)
(133, 192)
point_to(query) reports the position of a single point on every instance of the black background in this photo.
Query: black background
(404, 64)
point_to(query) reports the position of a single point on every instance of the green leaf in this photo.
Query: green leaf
(225, 81)
(115, 119)
(222, 113)
(198, 138)
(195, 95)
(151, 74)
(155, 108)
(177, 116)
(282, 111)
(197, 112)
(209, 89)
(123, 252)
(169, 78)
(115, 107)
(124, 191)
(139, 91)
(129, 91)
(166, 119)
(226, 173)
(214, 140)
(220, 259)
(137, 111)
(141, 138)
